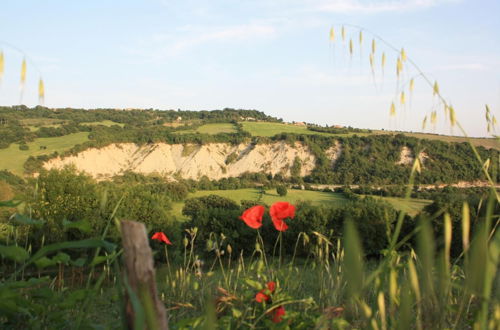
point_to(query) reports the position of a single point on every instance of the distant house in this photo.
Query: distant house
(300, 123)
(338, 126)
(179, 118)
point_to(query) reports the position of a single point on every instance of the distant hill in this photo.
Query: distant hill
(33, 138)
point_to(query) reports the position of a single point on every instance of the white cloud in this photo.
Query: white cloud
(224, 34)
(463, 67)
(371, 6)
(160, 46)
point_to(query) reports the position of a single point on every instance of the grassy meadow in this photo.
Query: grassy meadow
(488, 143)
(258, 128)
(12, 158)
(107, 123)
(212, 129)
(411, 206)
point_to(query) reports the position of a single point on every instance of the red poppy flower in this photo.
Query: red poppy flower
(280, 211)
(278, 312)
(161, 237)
(261, 296)
(253, 216)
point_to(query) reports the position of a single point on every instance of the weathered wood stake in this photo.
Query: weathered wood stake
(140, 277)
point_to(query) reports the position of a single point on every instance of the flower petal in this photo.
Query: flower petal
(253, 216)
(279, 224)
(161, 237)
(261, 296)
(282, 210)
(278, 313)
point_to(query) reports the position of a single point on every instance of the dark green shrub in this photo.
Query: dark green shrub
(281, 190)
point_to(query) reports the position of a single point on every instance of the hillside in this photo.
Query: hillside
(226, 143)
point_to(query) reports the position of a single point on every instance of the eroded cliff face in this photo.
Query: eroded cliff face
(406, 157)
(215, 160)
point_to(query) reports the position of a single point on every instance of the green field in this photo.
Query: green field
(106, 122)
(217, 128)
(412, 207)
(12, 159)
(488, 143)
(261, 128)
(272, 128)
(36, 128)
(214, 128)
(34, 124)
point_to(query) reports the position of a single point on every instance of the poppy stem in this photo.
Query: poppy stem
(263, 253)
(168, 263)
(281, 247)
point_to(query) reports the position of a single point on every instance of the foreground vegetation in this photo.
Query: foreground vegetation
(313, 274)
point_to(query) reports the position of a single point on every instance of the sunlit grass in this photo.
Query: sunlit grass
(213, 128)
(12, 159)
(411, 206)
(107, 123)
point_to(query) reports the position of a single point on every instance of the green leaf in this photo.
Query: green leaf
(82, 225)
(24, 284)
(353, 260)
(100, 259)
(236, 313)
(78, 262)
(13, 252)
(44, 262)
(10, 203)
(254, 284)
(62, 258)
(83, 244)
(19, 219)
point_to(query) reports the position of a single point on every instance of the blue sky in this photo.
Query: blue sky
(273, 56)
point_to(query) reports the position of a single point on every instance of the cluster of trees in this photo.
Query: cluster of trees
(373, 160)
(337, 130)
(64, 199)
(218, 215)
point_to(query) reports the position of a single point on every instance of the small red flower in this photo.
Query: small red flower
(280, 211)
(161, 237)
(262, 296)
(253, 216)
(278, 312)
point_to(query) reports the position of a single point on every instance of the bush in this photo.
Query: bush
(281, 190)
(23, 147)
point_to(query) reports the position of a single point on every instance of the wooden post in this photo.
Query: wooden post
(140, 278)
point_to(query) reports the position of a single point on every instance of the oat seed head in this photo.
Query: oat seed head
(1, 65)
(332, 34)
(41, 92)
(435, 88)
(23, 72)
